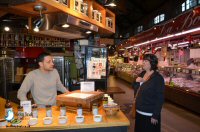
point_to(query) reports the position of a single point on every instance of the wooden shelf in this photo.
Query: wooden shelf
(52, 6)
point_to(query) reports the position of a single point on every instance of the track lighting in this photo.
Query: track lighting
(110, 3)
(40, 21)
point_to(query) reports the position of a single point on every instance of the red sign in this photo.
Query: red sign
(185, 21)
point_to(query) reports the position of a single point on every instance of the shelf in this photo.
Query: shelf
(31, 40)
(53, 6)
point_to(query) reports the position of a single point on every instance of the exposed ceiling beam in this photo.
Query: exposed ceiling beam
(138, 6)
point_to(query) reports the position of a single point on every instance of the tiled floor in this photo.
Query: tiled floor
(174, 118)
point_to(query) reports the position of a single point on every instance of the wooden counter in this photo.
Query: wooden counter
(116, 123)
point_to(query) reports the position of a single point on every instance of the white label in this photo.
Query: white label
(26, 107)
(87, 86)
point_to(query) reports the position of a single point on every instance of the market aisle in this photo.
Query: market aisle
(174, 119)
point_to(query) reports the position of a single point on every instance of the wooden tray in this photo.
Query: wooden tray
(72, 102)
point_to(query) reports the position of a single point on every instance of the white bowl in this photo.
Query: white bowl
(48, 120)
(97, 118)
(3, 122)
(33, 121)
(79, 119)
(62, 119)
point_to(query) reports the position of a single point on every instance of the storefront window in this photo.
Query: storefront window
(189, 4)
(139, 29)
(159, 18)
(162, 17)
(183, 7)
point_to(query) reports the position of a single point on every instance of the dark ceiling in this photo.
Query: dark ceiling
(131, 12)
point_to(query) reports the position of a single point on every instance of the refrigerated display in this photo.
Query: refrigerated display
(62, 64)
(6, 75)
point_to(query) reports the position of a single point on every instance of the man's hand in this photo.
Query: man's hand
(139, 79)
(154, 121)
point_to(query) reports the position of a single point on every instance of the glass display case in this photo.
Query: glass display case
(127, 71)
(182, 86)
(96, 66)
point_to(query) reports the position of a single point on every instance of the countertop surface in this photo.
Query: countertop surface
(108, 121)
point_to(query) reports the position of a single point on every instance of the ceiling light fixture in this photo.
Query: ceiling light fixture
(39, 22)
(27, 27)
(88, 32)
(110, 3)
(6, 29)
(65, 25)
(36, 29)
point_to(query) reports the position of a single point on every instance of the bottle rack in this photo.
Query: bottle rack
(30, 40)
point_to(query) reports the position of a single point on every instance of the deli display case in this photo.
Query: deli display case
(182, 86)
(127, 71)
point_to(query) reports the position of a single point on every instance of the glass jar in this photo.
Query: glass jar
(48, 111)
(34, 111)
(79, 110)
(105, 101)
(20, 113)
(62, 110)
(95, 109)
